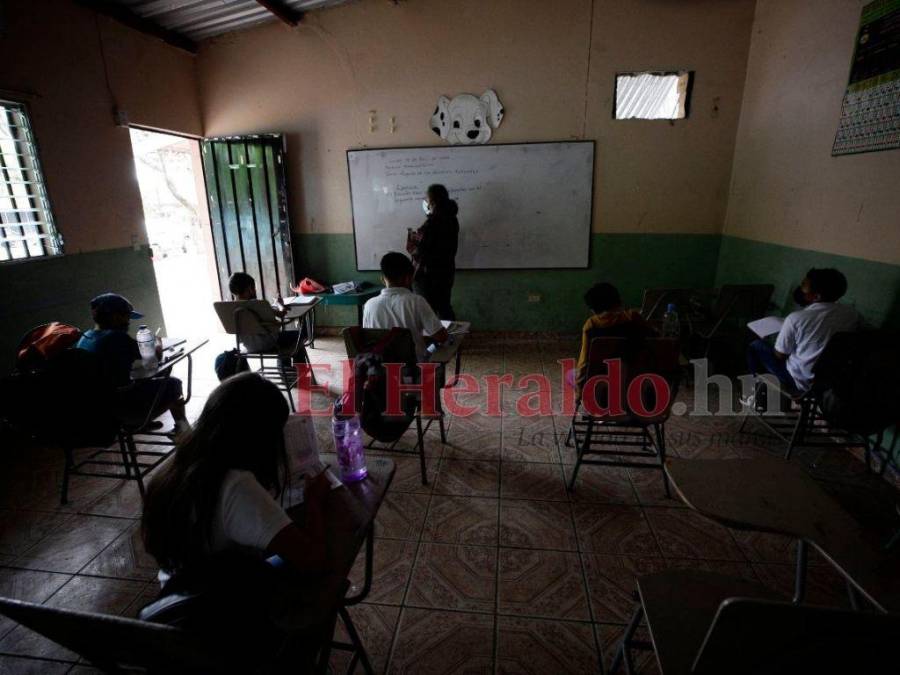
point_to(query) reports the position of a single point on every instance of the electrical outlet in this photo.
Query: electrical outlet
(534, 297)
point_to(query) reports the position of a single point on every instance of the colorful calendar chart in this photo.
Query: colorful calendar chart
(870, 113)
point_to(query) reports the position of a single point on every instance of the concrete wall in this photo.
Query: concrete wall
(553, 65)
(792, 205)
(52, 58)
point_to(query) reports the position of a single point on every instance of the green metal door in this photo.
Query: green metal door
(245, 186)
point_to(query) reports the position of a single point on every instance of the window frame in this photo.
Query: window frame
(30, 168)
(687, 94)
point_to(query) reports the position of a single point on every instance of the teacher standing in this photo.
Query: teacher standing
(433, 248)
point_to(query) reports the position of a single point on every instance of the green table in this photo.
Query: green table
(358, 299)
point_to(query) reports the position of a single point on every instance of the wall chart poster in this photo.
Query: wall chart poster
(870, 113)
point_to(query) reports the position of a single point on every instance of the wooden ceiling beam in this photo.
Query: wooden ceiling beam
(285, 14)
(128, 18)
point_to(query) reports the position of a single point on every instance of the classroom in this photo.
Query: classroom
(415, 336)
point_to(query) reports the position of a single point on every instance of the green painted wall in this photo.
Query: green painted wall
(873, 287)
(60, 289)
(498, 300)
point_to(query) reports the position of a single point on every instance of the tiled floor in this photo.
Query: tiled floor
(491, 567)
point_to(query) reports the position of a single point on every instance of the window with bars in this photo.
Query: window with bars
(26, 223)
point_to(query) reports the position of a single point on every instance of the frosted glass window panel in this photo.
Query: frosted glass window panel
(652, 96)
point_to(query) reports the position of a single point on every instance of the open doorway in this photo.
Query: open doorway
(170, 176)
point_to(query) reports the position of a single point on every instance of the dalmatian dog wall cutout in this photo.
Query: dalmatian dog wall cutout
(466, 119)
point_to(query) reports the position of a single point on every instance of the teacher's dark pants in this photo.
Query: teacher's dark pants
(437, 290)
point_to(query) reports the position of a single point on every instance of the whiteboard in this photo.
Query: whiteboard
(521, 206)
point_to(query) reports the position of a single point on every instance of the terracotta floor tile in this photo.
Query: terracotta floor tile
(125, 558)
(524, 480)
(20, 530)
(90, 594)
(610, 636)
(408, 476)
(27, 585)
(393, 562)
(462, 520)
(683, 533)
(611, 581)
(614, 529)
(454, 577)
(441, 643)
(650, 489)
(17, 665)
(530, 440)
(542, 583)
(376, 625)
(540, 647)
(824, 586)
(602, 484)
(401, 515)
(73, 543)
(466, 442)
(468, 478)
(531, 524)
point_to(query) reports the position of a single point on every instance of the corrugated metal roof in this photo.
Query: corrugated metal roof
(199, 19)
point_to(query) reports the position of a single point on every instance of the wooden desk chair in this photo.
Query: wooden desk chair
(115, 644)
(399, 350)
(255, 319)
(588, 432)
(708, 624)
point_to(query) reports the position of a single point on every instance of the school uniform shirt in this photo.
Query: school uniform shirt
(805, 333)
(614, 323)
(246, 516)
(401, 308)
(115, 349)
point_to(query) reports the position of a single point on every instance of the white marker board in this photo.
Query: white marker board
(521, 206)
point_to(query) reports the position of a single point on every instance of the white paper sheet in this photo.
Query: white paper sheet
(766, 326)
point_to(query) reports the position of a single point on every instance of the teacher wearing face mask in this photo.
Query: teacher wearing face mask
(433, 249)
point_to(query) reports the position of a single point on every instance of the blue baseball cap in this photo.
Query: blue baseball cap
(113, 303)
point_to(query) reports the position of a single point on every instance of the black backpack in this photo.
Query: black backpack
(369, 384)
(230, 363)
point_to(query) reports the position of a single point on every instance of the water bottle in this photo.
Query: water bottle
(671, 326)
(147, 346)
(348, 444)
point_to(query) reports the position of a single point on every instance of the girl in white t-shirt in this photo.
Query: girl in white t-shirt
(218, 493)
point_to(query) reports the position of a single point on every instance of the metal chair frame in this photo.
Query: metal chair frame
(587, 431)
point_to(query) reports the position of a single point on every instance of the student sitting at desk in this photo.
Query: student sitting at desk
(243, 287)
(804, 333)
(217, 501)
(609, 319)
(398, 307)
(116, 351)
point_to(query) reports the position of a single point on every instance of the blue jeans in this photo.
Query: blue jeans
(761, 358)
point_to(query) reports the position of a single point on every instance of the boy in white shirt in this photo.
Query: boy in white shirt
(806, 332)
(398, 307)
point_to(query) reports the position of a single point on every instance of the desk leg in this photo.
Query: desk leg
(190, 360)
(800, 577)
(367, 581)
(359, 315)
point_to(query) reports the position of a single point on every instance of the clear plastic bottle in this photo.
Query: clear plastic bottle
(348, 444)
(671, 325)
(147, 346)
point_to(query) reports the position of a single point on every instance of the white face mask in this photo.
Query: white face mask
(426, 207)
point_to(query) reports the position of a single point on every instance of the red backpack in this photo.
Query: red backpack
(45, 342)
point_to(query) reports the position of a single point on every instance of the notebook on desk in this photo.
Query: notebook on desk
(457, 327)
(299, 300)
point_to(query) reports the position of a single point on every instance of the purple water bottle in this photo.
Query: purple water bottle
(348, 444)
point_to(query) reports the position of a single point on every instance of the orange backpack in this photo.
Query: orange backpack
(44, 342)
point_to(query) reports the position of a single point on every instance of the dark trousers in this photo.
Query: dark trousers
(761, 358)
(437, 289)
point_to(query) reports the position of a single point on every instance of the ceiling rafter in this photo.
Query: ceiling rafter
(287, 15)
(128, 18)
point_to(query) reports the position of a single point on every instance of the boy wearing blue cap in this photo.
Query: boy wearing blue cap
(116, 351)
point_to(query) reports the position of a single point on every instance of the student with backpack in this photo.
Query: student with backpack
(116, 350)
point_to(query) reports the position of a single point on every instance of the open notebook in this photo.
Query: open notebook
(303, 456)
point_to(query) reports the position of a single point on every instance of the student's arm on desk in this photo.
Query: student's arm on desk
(304, 548)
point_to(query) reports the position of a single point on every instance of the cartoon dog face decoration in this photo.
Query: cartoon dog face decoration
(466, 119)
